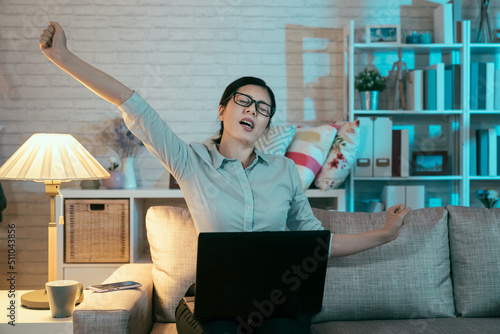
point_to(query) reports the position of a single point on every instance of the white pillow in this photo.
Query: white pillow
(173, 241)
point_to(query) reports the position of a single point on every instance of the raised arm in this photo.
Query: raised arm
(53, 45)
(348, 244)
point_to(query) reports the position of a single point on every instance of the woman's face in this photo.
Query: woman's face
(245, 123)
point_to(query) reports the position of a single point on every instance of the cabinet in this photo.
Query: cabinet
(430, 130)
(139, 202)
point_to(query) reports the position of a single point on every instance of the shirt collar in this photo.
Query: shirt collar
(218, 159)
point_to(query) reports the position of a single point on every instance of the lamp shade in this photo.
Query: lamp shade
(52, 157)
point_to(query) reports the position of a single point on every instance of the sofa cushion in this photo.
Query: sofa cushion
(309, 149)
(173, 243)
(276, 140)
(341, 157)
(407, 278)
(475, 260)
(427, 326)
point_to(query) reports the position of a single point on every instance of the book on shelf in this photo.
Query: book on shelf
(452, 87)
(430, 89)
(443, 24)
(415, 90)
(484, 160)
(482, 152)
(483, 88)
(474, 89)
(492, 152)
(400, 153)
(489, 88)
(497, 89)
(439, 85)
(473, 153)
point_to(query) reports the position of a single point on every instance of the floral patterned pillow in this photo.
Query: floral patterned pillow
(309, 149)
(341, 157)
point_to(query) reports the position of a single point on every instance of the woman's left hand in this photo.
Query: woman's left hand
(395, 219)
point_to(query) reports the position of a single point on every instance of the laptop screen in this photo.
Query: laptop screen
(271, 274)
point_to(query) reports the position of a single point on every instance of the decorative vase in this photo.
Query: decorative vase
(90, 184)
(369, 99)
(128, 171)
(115, 180)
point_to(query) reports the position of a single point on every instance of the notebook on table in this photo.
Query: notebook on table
(268, 274)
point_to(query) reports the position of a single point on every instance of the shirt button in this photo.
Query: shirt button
(245, 185)
(248, 208)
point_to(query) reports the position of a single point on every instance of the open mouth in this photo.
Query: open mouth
(247, 123)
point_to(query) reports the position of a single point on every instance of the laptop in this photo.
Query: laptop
(260, 274)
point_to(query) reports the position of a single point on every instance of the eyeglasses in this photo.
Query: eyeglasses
(246, 101)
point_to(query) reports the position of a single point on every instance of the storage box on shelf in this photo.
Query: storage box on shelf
(94, 271)
(440, 127)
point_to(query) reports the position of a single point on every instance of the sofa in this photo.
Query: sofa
(442, 275)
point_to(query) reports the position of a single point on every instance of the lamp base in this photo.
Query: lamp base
(38, 300)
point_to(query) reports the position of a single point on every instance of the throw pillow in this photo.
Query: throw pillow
(408, 278)
(475, 260)
(173, 242)
(341, 157)
(276, 140)
(309, 149)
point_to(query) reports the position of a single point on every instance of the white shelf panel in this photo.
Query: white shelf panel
(407, 112)
(484, 178)
(417, 48)
(488, 48)
(123, 193)
(412, 178)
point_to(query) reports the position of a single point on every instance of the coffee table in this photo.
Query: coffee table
(31, 321)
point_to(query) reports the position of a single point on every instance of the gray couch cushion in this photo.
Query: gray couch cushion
(475, 257)
(406, 279)
(411, 326)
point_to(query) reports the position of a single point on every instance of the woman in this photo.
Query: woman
(227, 185)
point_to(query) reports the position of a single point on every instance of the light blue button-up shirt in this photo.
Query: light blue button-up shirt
(221, 195)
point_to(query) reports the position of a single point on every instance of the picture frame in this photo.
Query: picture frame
(430, 163)
(172, 183)
(383, 34)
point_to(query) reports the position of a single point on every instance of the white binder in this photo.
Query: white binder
(382, 146)
(392, 195)
(364, 160)
(415, 197)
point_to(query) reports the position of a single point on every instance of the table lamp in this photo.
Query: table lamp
(51, 159)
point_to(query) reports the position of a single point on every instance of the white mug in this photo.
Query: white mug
(62, 297)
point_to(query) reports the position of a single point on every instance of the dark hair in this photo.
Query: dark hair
(233, 87)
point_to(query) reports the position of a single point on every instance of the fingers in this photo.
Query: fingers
(396, 208)
(46, 37)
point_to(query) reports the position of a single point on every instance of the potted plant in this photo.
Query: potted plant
(370, 83)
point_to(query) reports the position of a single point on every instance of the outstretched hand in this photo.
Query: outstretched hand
(395, 219)
(53, 41)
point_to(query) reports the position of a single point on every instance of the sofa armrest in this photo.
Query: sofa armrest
(124, 311)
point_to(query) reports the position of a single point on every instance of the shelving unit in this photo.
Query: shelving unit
(139, 202)
(458, 187)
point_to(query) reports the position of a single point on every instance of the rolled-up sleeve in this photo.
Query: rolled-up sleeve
(145, 123)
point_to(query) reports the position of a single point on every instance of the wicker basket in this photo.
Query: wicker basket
(96, 231)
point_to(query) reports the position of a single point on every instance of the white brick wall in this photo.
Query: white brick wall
(180, 55)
